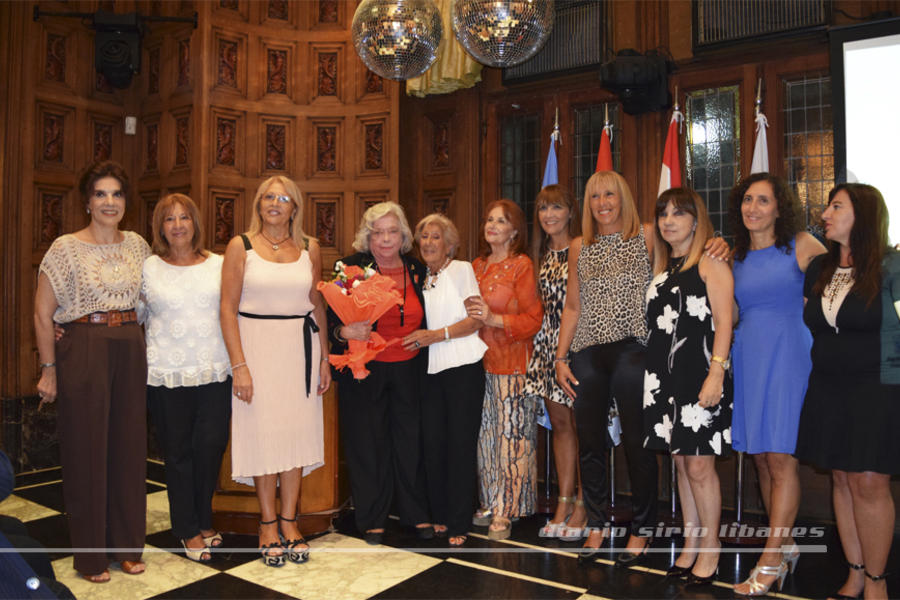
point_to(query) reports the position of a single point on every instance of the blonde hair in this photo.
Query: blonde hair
(631, 221)
(161, 245)
(448, 231)
(296, 223)
(367, 225)
(690, 202)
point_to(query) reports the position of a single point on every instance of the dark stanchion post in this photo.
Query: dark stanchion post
(733, 528)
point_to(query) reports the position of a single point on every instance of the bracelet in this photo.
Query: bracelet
(337, 335)
(50, 364)
(561, 359)
(239, 365)
(446, 333)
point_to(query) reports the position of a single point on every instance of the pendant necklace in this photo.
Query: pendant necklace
(275, 245)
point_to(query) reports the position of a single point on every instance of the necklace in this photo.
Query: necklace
(431, 278)
(838, 282)
(275, 245)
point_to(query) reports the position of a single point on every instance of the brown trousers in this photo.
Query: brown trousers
(102, 407)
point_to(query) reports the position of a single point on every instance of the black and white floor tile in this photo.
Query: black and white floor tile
(343, 566)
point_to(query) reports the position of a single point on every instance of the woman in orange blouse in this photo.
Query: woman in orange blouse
(511, 313)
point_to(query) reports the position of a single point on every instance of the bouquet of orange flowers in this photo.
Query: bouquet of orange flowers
(359, 294)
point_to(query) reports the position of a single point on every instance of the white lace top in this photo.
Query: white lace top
(180, 309)
(444, 307)
(89, 278)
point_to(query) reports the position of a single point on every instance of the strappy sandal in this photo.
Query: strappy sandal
(213, 541)
(133, 567)
(573, 534)
(269, 559)
(552, 529)
(500, 528)
(98, 578)
(460, 540)
(295, 553)
(196, 554)
(482, 517)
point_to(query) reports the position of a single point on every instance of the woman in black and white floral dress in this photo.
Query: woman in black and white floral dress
(687, 386)
(555, 224)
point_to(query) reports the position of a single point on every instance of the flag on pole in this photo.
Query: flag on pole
(551, 177)
(760, 162)
(670, 174)
(604, 155)
(551, 170)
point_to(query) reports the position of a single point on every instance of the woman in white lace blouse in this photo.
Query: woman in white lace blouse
(189, 383)
(89, 284)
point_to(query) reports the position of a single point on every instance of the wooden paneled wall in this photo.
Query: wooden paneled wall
(260, 88)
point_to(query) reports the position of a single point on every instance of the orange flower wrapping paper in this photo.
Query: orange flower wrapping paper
(367, 300)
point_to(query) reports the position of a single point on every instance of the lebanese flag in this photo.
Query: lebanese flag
(670, 174)
(604, 155)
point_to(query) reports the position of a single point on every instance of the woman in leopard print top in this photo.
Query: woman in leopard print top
(604, 329)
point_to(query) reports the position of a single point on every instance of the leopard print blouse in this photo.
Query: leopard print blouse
(613, 275)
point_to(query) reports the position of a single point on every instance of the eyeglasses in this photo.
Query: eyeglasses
(283, 199)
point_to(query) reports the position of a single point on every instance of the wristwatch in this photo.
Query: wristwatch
(726, 363)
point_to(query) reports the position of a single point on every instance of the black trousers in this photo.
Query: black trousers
(381, 436)
(102, 408)
(192, 426)
(451, 417)
(606, 371)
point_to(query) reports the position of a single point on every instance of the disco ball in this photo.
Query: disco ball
(397, 39)
(502, 33)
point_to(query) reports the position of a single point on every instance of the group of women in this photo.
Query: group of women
(206, 318)
(605, 310)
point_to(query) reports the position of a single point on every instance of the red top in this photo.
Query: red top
(510, 290)
(389, 324)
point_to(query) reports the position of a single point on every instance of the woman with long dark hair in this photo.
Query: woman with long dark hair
(556, 222)
(771, 354)
(851, 415)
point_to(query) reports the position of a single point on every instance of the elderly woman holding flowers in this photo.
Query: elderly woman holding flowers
(379, 414)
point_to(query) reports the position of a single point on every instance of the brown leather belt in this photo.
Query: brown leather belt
(112, 318)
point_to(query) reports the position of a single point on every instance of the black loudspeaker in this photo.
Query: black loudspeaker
(641, 81)
(117, 46)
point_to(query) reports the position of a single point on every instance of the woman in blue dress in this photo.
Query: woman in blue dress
(771, 355)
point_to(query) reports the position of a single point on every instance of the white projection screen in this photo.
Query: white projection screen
(865, 69)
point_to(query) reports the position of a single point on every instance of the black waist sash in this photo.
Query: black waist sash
(309, 328)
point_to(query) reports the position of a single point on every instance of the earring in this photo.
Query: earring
(88, 209)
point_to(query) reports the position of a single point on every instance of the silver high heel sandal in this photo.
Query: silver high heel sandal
(791, 556)
(761, 589)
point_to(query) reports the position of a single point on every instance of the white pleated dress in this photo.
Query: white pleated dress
(281, 429)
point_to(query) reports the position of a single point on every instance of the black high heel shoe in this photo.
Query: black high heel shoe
(294, 554)
(588, 554)
(695, 581)
(676, 572)
(269, 559)
(627, 557)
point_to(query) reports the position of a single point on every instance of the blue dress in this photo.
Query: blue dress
(771, 357)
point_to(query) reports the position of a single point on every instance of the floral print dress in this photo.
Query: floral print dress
(679, 347)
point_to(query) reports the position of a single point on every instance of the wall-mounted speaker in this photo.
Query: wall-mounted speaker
(641, 81)
(117, 46)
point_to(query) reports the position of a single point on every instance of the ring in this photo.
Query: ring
(417, 344)
(238, 394)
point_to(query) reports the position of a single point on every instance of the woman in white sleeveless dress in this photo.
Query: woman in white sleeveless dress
(270, 314)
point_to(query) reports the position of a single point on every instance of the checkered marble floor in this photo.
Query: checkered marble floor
(343, 566)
